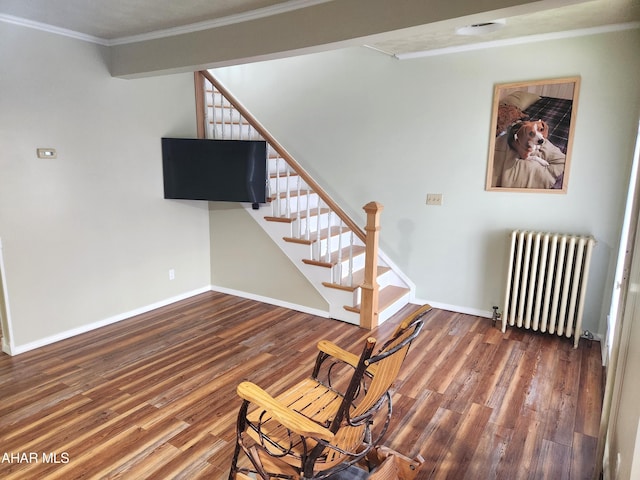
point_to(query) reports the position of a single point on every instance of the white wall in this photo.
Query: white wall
(88, 236)
(244, 260)
(369, 127)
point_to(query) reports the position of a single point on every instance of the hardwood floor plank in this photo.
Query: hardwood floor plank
(559, 426)
(189, 462)
(584, 446)
(154, 396)
(491, 376)
(554, 462)
(589, 398)
(435, 440)
(538, 396)
(524, 446)
(508, 397)
(493, 444)
(458, 458)
(469, 377)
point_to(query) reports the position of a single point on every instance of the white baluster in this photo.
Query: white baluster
(350, 276)
(328, 254)
(224, 119)
(231, 121)
(206, 109)
(278, 209)
(214, 114)
(338, 270)
(308, 235)
(288, 176)
(298, 209)
(318, 239)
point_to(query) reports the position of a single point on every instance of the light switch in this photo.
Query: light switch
(47, 153)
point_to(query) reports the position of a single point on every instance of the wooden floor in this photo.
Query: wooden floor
(153, 397)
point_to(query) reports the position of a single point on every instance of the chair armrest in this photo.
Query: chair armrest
(338, 353)
(289, 418)
(335, 351)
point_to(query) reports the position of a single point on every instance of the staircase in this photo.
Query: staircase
(322, 241)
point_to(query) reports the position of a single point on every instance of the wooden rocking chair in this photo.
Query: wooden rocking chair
(324, 424)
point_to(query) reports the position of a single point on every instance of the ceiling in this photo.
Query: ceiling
(571, 18)
(112, 22)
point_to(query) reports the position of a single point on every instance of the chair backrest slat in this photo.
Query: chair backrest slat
(389, 361)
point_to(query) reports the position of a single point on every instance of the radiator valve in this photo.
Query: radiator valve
(587, 334)
(496, 315)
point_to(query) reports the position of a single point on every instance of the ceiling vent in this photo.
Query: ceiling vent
(481, 28)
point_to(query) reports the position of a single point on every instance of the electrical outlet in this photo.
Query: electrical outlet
(434, 199)
(172, 274)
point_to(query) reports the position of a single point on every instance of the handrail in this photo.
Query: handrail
(287, 156)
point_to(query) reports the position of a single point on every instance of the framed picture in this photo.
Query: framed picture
(532, 127)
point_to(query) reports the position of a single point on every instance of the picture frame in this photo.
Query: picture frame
(532, 130)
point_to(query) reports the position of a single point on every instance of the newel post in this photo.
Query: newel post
(369, 288)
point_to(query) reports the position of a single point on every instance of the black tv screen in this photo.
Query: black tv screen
(215, 170)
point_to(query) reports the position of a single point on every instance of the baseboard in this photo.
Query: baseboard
(18, 349)
(271, 301)
(455, 308)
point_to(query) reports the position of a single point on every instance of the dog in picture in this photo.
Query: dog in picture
(526, 138)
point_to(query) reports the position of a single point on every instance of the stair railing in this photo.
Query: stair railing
(232, 127)
(295, 166)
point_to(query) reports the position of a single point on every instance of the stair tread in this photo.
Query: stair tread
(295, 193)
(283, 175)
(333, 260)
(357, 280)
(284, 219)
(386, 297)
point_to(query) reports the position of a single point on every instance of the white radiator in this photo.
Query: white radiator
(547, 281)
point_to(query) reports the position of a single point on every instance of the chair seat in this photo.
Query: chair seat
(310, 398)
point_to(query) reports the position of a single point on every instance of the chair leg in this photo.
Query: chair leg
(234, 462)
(240, 427)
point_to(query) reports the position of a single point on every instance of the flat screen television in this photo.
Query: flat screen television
(215, 170)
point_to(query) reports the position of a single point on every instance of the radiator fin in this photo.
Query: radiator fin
(546, 282)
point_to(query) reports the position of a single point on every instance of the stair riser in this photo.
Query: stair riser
(343, 267)
(387, 278)
(333, 243)
(393, 308)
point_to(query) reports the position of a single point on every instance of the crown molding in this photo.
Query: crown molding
(519, 40)
(45, 27)
(169, 32)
